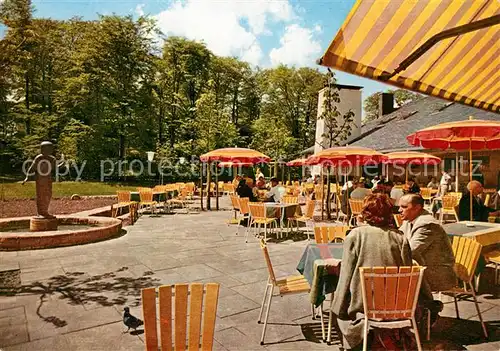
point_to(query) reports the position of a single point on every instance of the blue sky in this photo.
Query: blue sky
(262, 32)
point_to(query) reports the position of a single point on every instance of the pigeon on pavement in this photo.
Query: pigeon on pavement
(131, 321)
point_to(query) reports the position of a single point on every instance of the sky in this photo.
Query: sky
(265, 33)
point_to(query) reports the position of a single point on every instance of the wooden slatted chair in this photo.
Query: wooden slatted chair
(181, 199)
(123, 199)
(294, 284)
(245, 213)
(494, 257)
(236, 208)
(448, 207)
(290, 199)
(356, 208)
(146, 199)
(197, 300)
(258, 218)
(426, 194)
(398, 219)
(466, 252)
(308, 217)
(327, 234)
(390, 297)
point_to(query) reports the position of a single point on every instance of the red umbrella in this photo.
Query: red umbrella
(411, 158)
(354, 155)
(462, 135)
(297, 162)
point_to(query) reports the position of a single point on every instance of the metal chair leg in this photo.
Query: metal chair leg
(264, 300)
(267, 316)
(456, 305)
(415, 331)
(322, 322)
(479, 312)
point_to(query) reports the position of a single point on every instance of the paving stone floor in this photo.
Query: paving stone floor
(72, 298)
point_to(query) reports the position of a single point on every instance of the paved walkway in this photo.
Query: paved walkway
(72, 298)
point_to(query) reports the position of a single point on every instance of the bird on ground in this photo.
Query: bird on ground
(131, 321)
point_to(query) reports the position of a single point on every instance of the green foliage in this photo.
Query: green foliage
(102, 90)
(337, 126)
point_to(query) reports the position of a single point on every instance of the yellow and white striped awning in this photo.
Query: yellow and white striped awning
(445, 48)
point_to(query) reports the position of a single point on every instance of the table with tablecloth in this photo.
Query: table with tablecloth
(320, 266)
(487, 234)
(282, 211)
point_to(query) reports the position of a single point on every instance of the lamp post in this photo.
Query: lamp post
(151, 155)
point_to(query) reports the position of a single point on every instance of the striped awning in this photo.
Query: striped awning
(444, 48)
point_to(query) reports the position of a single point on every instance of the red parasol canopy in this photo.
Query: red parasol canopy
(462, 135)
(238, 155)
(297, 162)
(346, 154)
(411, 157)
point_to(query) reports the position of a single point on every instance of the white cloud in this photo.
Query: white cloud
(229, 28)
(139, 9)
(299, 46)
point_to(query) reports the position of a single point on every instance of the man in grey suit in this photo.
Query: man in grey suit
(430, 247)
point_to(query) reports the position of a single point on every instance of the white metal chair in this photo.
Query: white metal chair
(294, 284)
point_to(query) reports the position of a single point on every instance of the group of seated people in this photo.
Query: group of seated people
(248, 188)
(376, 242)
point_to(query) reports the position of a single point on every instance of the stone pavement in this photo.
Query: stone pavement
(72, 298)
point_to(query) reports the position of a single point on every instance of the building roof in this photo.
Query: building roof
(389, 132)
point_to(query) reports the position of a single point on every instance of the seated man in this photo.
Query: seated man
(430, 247)
(480, 212)
(276, 192)
(360, 192)
(243, 190)
(261, 183)
(412, 186)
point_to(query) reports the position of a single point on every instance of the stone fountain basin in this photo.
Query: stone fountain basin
(86, 230)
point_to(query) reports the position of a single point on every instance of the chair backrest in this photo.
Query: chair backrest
(310, 204)
(426, 193)
(123, 196)
(146, 195)
(466, 252)
(458, 195)
(449, 202)
(326, 234)
(243, 205)
(263, 246)
(318, 192)
(356, 206)
(184, 193)
(289, 199)
(257, 210)
(398, 219)
(390, 292)
(202, 302)
(235, 202)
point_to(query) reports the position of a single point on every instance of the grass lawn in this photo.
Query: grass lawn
(15, 190)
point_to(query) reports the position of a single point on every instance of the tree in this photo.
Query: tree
(401, 98)
(337, 126)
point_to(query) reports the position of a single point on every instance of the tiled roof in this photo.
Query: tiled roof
(389, 132)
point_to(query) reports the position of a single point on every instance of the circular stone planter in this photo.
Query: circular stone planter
(15, 234)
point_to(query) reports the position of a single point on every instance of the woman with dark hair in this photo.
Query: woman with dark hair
(375, 243)
(243, 190)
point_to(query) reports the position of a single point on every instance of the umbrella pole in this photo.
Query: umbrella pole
(328, 205)
(457, 171)
(209, 207)
(322, 194)
(216, 187)
(406, 173)
(337, 192)
(202, 169)
(470, 174)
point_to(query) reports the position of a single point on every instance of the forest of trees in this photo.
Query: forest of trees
(112, 89)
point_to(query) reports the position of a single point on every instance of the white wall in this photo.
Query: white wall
(349, 99)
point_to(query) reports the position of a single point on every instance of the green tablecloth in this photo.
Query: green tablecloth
(320, 265)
